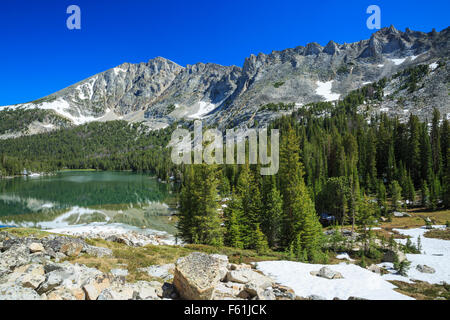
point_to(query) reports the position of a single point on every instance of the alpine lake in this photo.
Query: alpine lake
(83, 198)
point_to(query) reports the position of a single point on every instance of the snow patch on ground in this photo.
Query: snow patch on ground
(344, 256)
(435, 253)
(357, 282)
(324, 90)
(103, 230)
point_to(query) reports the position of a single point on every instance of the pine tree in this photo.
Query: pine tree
(299, 216)
(381, 198)
(199, 219)
(425, 195)
(396, 194)
(233, 234)
(426, 162)
(446, 183)
(413, 163)
(260, 241)
(410, 192)
(436, 142)
(188, 207)
(435, 193)
(272, 208)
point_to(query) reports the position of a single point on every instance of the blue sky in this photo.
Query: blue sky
(39, 55)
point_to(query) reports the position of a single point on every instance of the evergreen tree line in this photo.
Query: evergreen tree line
(115, 145)
(332, 160)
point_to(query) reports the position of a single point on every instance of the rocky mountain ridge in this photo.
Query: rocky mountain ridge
(161, 92)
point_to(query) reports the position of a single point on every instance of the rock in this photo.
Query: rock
(224, 292)
(393, 256)
(223, 268)
(144, 290)
(97, 251)
(118, 293)
(36, 247)
(119, 272)
(91, 292)
(17, 255)
(374, 268)
(283, 292)
(246, 275)
(106, 295)
(168, 291)
(316, 297)
(33, 277)
(164, 272)
(71, 249)
(53, 280)
(78, 294)
(230, 291)
(356, 298)
(197, 275)
(16, 292)
(76, 276)
(39, 258)
(425, 269)
(102, 282)
(233, 266)
(327, 273)
(265, 295)
(258, 292)
(61, 293)
(119, 239)
(50, 266)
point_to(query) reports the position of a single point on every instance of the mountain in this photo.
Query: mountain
(161, 92)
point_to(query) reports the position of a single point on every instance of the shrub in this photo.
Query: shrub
(402, 267)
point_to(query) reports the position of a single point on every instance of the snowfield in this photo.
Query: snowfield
(203, 108)
(435, 254)
(360, 282)
(398, 62)
(357, 282)
(324, 90)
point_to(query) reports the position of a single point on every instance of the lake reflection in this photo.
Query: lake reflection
(77, 197)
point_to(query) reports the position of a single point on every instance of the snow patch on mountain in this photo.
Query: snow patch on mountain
(324, 90)
(398, 62)
(203, 108)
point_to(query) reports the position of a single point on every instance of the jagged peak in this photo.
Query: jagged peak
(159, 60)
(331, 48)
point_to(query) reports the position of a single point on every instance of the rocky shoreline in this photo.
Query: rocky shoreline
(33, 268)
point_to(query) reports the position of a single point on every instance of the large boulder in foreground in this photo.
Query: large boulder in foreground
(197, 275)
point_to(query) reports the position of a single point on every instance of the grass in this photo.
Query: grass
(133, 259)
(417, 219)
(26, 232)
(438, 234)
(423, 290)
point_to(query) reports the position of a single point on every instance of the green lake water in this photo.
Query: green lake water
(82, 197)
